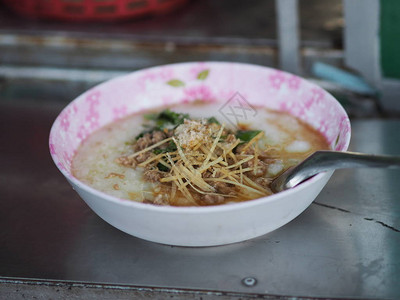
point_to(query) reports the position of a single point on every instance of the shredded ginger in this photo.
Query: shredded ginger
(204, 163)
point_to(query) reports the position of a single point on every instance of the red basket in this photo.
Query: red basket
(91, 10)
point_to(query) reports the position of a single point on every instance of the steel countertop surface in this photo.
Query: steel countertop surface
(346, 244)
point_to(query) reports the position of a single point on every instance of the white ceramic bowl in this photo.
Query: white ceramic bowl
(182, 83)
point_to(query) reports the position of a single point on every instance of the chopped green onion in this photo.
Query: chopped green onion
(162, 168)
(168, 117)
(213, 120)
(170, 148)
(247, 135)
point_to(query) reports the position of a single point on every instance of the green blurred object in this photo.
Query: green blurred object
(390, 38)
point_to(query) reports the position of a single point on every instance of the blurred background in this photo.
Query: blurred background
(52, 51)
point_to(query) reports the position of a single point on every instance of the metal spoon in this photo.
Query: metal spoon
(321, 161)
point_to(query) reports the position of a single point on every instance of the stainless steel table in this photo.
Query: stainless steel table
(346, 244)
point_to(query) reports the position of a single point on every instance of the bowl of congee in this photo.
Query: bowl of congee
(184, 154)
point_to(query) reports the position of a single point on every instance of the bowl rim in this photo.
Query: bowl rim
(194, 209)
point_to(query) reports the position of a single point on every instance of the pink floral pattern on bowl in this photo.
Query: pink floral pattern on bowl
(186, 82)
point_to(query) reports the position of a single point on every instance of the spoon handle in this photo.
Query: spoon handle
(321, 161)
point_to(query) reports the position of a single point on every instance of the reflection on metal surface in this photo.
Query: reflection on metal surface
(333, 249)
